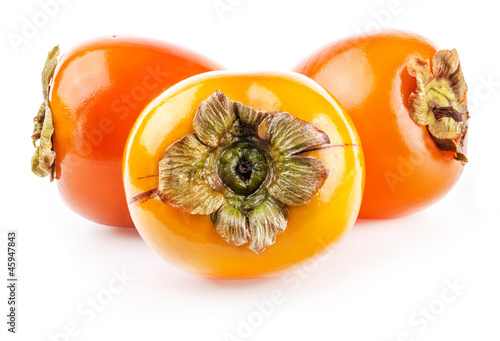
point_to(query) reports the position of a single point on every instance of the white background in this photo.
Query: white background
(375, 286)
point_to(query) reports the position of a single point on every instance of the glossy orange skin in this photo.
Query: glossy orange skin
(99, 89)
(191, 241)
(406, 172)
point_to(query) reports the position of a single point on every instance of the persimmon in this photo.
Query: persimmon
(408, 103)
(92, 97)
(242, 175)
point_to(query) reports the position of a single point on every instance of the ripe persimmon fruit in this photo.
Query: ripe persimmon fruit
(408, 103)
(243, 175)
(92, 97)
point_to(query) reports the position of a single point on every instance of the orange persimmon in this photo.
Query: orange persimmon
(408, 103)
(93, 96)
(243, 175)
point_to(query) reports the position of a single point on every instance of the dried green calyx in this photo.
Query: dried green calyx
(440, 101)
(241, 167)
(42, 162)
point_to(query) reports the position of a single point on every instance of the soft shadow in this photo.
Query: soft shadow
(237, 284)
(122, 232)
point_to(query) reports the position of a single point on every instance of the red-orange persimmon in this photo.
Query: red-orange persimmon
(95, 94)
(408, 103)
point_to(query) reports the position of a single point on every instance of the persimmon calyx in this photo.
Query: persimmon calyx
(440, 102)
(42, 162)
(240, 167)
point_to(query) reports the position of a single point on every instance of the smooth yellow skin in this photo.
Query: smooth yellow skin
(191, 241)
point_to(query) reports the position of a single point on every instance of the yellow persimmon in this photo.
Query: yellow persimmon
(243, 175)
